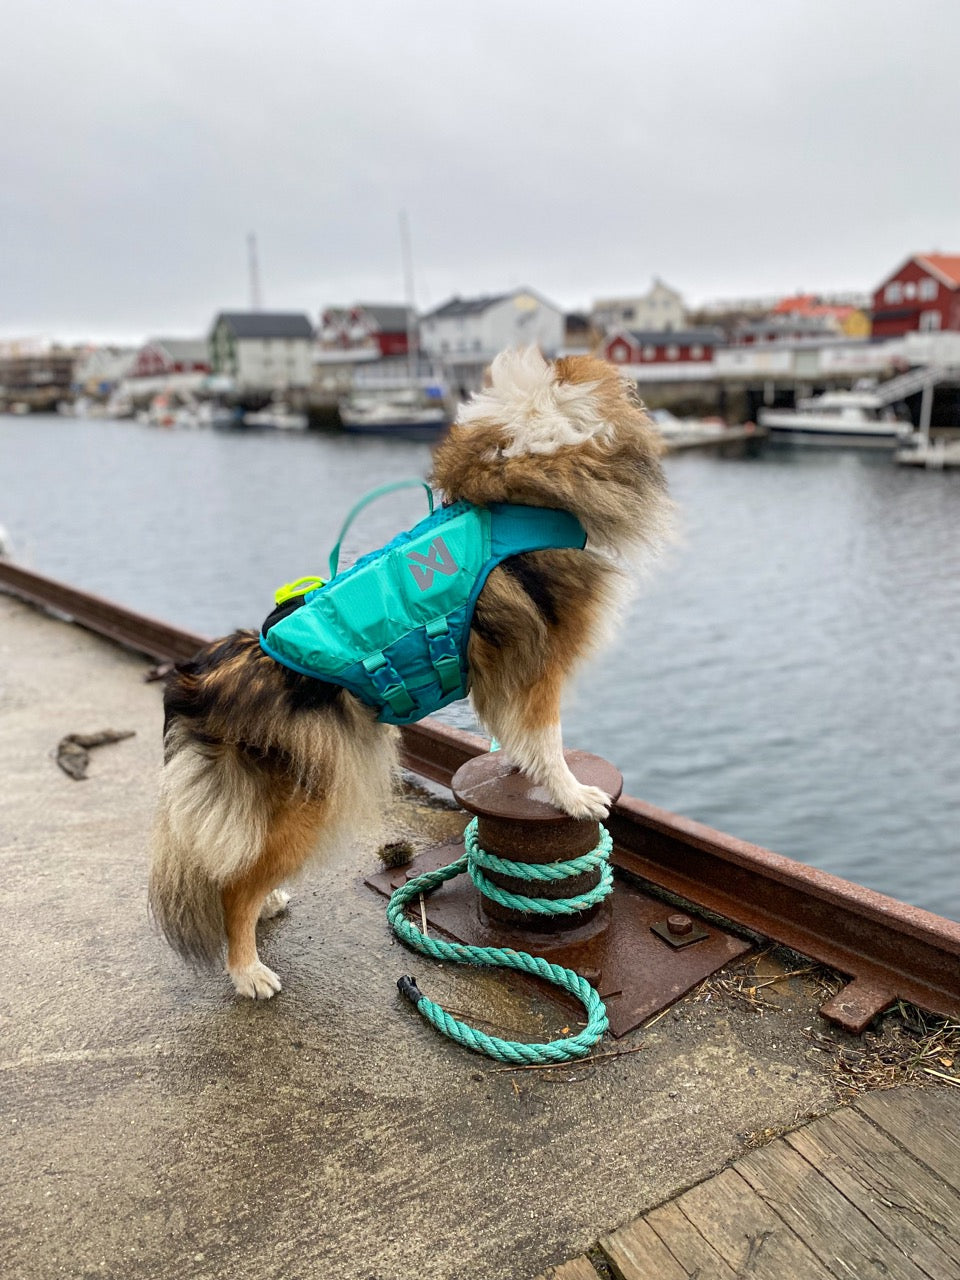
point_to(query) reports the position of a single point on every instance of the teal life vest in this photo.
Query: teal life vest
(393, 629)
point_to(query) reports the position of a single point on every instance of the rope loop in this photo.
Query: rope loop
(473, 861)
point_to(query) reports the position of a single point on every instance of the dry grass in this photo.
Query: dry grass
(908, 1046)
(758, 982)
(904, 1046)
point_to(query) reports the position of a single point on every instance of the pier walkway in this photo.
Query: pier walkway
(151, 1125)
(871, 1192)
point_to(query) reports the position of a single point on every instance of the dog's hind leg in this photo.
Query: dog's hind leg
(274, 904)
(255, 895)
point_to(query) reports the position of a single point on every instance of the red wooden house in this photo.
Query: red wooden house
(161, 357)
(383, 327)
(923, 294)
(662, 346)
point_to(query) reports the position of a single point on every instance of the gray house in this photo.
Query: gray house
(263, 350)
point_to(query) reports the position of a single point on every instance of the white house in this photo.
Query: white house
(466, 333)
(100, 369)
(660, 308)
(263, 350)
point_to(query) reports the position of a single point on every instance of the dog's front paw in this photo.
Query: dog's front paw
(256, 981)
(585, 802)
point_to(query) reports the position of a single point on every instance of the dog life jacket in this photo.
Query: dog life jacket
(393, 629)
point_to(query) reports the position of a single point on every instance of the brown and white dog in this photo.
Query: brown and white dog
(265, 769)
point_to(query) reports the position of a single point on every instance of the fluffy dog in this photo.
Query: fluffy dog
(265, 768)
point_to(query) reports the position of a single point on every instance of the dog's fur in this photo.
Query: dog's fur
(265, 768)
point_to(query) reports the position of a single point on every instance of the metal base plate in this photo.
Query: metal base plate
(635, 972)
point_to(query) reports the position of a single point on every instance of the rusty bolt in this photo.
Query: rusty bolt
(679, 925)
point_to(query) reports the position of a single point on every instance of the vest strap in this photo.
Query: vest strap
(388, 682)
(443, 654)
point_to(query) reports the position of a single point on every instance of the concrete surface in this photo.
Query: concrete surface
(153, 1125)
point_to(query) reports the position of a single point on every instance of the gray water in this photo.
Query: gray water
(789, 674)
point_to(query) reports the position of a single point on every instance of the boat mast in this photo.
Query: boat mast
(254, 270)
(412, 352)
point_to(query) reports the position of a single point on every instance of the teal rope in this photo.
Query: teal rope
(472, 861)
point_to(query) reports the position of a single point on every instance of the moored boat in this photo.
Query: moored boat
(406, 409)
(838, 418)
(278, 416)
(933, 454)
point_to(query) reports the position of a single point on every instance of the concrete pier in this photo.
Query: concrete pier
(155, 1126)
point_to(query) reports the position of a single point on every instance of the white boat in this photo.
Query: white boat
(411, 409)
(933, 454)
(166, 410)
(858, 417)
(687, 431)
(211, 413)
(278, 417)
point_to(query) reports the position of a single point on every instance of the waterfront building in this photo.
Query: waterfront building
(659, 308)
(100, 370)
(383, 328)
(166, 366)
(843, 318)
(35, 373)
(784, 328)
(164, 357)
(663, 347)
(263, 351)
(466, 333)
(579, 336)
(921, 295)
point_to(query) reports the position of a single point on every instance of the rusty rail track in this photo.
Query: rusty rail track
(888, 950)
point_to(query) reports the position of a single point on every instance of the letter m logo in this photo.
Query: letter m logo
(438, 560)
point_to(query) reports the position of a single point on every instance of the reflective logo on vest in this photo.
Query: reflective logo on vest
(439, 560)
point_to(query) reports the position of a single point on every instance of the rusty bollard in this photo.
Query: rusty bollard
(515, 820)
(638, 954)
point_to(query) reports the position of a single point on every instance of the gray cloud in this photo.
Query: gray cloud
(729, 147)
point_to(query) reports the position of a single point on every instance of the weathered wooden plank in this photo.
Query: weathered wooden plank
(901, 1197)
(695, 1254)
(638, 1253)
(750, 1237)
(575, 1269)
(846, 1242)
(925, 1121)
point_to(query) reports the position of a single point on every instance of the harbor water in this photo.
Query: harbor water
(789, 673)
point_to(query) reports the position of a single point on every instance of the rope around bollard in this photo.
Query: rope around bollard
(474, 861)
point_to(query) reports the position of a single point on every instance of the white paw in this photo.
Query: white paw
(585, 802)
(274, 903)
(256, 981)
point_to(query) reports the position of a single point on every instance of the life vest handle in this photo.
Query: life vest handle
(367, 498)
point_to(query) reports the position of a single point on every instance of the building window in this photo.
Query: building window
(929, 320)
(696, 353)
(910, 289)
(649, 353)
(893, 292)
(673, 352)
(928, 289)
(619, 353)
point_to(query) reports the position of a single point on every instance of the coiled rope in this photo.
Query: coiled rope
(475, 861)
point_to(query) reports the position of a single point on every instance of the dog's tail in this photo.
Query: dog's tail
(210, 825)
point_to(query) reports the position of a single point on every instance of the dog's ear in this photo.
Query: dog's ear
(535, 409)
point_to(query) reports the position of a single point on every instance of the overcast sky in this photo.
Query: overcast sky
(732, 149)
